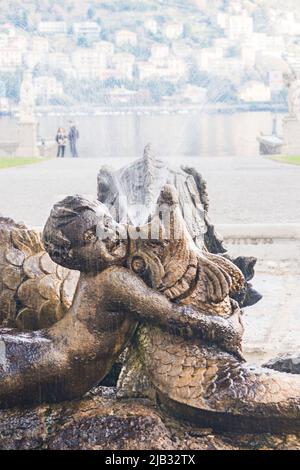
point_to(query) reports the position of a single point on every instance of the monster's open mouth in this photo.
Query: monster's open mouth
(56, 251)
(118, 249)
(113, 249)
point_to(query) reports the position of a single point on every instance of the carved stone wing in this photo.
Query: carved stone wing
(34, 291)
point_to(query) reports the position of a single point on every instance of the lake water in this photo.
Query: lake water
(118, 135)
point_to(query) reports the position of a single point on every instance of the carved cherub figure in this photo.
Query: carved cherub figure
(67, 359)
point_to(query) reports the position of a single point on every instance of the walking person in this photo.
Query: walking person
(61, 139)
(73, 137)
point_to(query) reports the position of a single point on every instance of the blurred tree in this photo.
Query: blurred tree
(221, 91)
(159, 88)
(19, 19)
(82, 41)
(41, 69)
(187, 30)
(12, 83)
(90, 13)
(232, 51)
(125, 5)
(2, 89)
(261, 20)
(70, 7)
(140, 52)
(197, 77)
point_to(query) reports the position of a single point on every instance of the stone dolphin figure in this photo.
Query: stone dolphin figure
(67, 359)
(137, 185)
(194, 380)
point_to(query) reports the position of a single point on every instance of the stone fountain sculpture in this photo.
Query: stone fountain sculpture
(35, 292)
(160, 289)
(67, 359)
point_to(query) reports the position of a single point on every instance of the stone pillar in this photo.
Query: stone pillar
(27, 138)
(291, 136)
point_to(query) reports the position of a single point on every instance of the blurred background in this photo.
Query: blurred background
(195, 77)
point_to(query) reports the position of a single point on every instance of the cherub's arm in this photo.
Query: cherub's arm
(127, 292)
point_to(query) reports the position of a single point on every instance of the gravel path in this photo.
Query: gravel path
(272, 326)
(241, 190)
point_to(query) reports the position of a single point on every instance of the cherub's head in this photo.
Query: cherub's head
(82, 235)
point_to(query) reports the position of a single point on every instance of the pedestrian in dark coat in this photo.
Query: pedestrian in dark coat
(73, 137)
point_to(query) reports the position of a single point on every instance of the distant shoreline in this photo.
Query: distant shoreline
(152, 110)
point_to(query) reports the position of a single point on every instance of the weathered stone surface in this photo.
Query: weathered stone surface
(289, 363)
(214, 285)
(99, 421)
(34, 291)
(197, 376)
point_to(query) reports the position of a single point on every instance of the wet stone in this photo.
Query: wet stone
(100, 421)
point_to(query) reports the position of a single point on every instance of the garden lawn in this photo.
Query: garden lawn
(285, 159)
(7, 162)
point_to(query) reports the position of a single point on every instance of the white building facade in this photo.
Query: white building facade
(10, 59)
(126, 38)
(47, 87)
(52, 27)
(255, 92)
(87, 29)
(88, 63)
